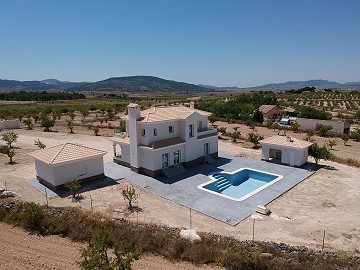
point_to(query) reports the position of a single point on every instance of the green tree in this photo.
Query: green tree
(318, 152)
(70, 125)
(130, 196)
(268, 123)
(258, 117)
(104, 253)
(235, 135)
(28, 123)
(71, 115)
(122, 126)
(96, 130)
(212, 119)
(8, 151)
(39, 144)
(345, 138)
(309, 134)
(47, 123)
(255, 138)
(322, 130)
(332, 143)
(295, 127)
(355, 134)
(222, 130)
(36, 118)
(73, 186)
(9, 138)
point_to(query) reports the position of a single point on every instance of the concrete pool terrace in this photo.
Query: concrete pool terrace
(183, 189)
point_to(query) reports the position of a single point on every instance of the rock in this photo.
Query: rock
(267, 255)
(262, 210)
(190, 235)
(6, 194)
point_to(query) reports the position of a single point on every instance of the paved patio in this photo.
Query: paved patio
(183, 189)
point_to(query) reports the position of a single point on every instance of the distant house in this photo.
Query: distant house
(165, 137)
(66, 162)
(9, 124)
(270, 112)
(286, 150)
(338, 127)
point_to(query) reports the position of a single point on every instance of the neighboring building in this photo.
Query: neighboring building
(338, 127)
(9, 124)
(285, 121)
(162, 137)
(270, 112)
(62, 163)
(286, 150)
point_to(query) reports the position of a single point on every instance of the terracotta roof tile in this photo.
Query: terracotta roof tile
(66, 152)
(266, 108)
(162, 113)
(285, 141)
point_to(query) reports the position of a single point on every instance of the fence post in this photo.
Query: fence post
(137, 213)
(253, 238)
(46, 196)
(190, 219)
(5, 187)
(91, 205)
(323, 242)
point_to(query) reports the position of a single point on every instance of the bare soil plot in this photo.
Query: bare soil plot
(328, 200)
(23, 251)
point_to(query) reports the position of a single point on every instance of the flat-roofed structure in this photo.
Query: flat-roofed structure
(66, 162)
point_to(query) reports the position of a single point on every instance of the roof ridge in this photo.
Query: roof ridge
(56, 155)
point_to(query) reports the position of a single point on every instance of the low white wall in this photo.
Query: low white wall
(337, 126)
(9, 124)
(45, 171)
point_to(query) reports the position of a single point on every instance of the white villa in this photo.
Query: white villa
(165, 137)
(286, 150)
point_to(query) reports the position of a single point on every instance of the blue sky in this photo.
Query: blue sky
(217, 42)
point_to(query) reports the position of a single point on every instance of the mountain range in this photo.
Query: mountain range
(155, 84)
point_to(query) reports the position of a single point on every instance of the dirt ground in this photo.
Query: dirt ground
(31, 252)
(328, 200)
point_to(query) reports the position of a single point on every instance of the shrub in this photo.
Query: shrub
(318, 152)
(345, 138)
(39, 144)
(255, 138)
(9, 138)
(322, 130)
(6, 150)
(47, 123)
(28, 123)
(130, 196)
(73, 186)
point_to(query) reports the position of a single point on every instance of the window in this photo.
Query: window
(206, 149)
(155, 131)
(177, 157)
(143, 132)
(171, 129)
(165, 160)
(191, 131)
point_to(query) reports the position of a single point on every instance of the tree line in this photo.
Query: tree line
(40, 96)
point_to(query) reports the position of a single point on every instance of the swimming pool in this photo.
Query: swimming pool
(240, 184)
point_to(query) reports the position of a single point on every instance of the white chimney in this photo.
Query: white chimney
(134, 115)
(192, 105)
(289, 138)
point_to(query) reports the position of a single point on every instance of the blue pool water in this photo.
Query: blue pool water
(240, 184)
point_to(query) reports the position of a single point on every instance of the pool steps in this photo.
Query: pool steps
(222, 182)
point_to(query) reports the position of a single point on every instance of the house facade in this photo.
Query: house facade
(286, 150)
(66, 162)
(270, 112)
(162, 137)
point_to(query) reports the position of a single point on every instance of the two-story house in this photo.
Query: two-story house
(162, 137)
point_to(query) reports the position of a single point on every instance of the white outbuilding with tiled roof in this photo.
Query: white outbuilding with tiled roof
(59, 164)
(286, 150)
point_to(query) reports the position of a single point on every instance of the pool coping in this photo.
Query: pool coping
(243, 198)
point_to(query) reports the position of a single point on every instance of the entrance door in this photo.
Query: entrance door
(206, 149)
(165, 160)
(177, 157)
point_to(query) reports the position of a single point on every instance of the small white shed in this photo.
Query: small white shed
(65, 162)
(286, 150)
